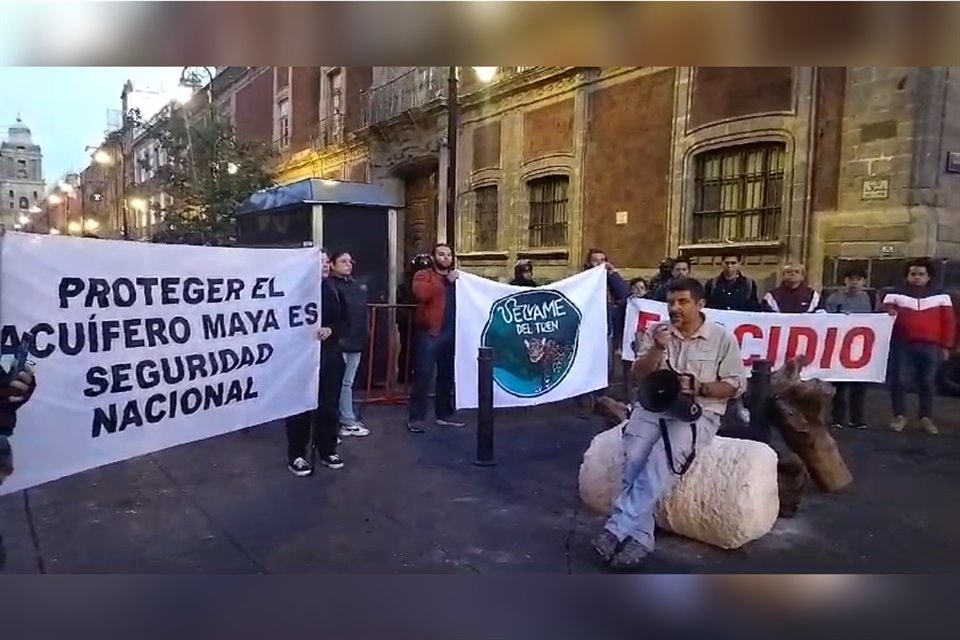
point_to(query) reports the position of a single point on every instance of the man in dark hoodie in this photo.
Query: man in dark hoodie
(793, 295)
(13, 394)
(617, 293)
(849, 398)
(679, 271)
(523, 274)
(731, 290)
(353, 337)
(323, 423)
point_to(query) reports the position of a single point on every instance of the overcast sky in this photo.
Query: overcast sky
(66, 107)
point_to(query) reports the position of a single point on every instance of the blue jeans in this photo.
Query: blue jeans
(647, 475)
(434, 356)
(916, 361)
(348, 412)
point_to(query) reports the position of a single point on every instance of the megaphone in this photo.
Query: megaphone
(662, 392)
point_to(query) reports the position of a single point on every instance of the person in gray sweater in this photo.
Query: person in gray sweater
(849, 398)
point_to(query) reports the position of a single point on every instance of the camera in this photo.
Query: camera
(661, 392)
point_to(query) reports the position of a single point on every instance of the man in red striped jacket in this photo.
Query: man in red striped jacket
(923, 336)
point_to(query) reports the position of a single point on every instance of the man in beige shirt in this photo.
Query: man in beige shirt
(658, 446)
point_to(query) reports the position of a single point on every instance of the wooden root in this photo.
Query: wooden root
(798, 409)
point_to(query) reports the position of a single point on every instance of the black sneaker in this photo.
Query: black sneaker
(630, 555)
(606, 545)
(450, 422)
(300, 467)
(415, 426)
(332, 461)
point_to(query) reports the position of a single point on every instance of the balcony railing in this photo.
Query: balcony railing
(329, 131)
(413, 90)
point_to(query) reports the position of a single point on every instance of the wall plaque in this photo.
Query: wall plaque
(875, 189)
(953, 162)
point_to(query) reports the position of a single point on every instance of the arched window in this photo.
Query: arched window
(738, 194)
(24, 203)
(548, 211)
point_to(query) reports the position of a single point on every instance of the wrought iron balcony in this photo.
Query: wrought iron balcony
(413, 89)
(329, 131)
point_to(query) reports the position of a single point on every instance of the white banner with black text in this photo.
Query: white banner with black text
(140, 347)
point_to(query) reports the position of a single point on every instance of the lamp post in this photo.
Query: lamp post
(484, 74)
(103, 157)
(188, 81)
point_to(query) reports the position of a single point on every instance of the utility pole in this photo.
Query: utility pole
(453, 117)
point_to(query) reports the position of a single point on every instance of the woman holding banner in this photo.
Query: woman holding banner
(326, 419)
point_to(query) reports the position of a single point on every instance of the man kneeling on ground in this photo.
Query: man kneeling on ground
(660, 447)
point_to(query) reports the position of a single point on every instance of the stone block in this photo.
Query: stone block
(728, 498)
(861, 249)
(887, 233)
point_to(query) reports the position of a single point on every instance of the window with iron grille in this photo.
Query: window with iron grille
(548, 211)
(283, 122)
(738, 194)
(485, 218)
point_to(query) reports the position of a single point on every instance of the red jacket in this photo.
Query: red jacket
(431, 296)
(923, 315)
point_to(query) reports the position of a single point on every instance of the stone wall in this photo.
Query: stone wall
(775, 120)
(896, 200)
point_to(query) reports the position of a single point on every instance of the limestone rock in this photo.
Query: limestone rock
(728, 498)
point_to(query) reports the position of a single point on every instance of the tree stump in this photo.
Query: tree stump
(798, 409)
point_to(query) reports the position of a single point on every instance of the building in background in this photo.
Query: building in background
(821, 165)
(21, 177)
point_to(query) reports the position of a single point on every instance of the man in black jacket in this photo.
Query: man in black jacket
(324, 422)
(353, 338)
(731, 290)
(13, 394)
(523, 274)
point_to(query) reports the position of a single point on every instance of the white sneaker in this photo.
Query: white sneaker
(355, 430)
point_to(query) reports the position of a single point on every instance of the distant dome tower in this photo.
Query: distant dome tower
(21, 176)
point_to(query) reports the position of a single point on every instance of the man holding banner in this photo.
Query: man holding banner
(435, 334)
(660, 443)
(13, 394)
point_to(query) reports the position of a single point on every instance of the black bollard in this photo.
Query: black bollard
(759, 390)
(485, 408)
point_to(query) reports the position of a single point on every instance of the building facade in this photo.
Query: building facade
(21, 177)
(827, 166)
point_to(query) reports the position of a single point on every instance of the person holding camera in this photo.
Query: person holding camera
(686, 371)
(14, 392)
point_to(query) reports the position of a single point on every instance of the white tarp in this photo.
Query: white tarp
(549, 342)
(141, 346)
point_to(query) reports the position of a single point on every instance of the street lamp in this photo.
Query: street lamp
(183, 94)
(91, 225)
(54, 199)
(74, 227)
(485, 75)
(100, 156)
(232, 168)
(22, 219)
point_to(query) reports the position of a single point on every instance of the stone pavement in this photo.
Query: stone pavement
(416, 504)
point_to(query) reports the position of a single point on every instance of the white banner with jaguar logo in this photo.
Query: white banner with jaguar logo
(549, 343)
